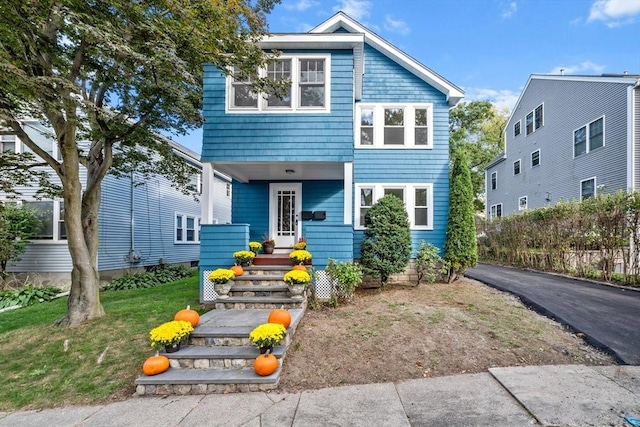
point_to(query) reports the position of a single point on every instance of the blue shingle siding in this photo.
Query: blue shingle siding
(568, 105)
(329, 241)
(281, 136)
(325, 196)
(251, 206)
(386, 81)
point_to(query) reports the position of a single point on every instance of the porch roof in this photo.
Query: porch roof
(281, 171)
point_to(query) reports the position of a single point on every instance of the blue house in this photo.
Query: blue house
(361, 119)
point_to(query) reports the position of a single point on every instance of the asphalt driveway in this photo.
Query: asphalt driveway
(608, 316)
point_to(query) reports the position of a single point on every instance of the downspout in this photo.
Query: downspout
(131, 229)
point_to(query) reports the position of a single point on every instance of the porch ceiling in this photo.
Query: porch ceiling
(281, 171)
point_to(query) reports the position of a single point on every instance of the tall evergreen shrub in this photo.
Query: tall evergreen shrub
(461, 248)
(386, 247)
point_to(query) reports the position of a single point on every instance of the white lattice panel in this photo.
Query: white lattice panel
(324, 288)
(208, 293)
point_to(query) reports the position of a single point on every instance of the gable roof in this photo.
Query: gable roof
(340, 20)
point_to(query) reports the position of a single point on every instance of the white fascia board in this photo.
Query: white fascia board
(454, 94)
(629, 80)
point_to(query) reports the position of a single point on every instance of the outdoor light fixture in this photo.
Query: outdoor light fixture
(547, 196)
(290, 171)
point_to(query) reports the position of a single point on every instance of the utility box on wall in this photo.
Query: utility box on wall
(319, 215)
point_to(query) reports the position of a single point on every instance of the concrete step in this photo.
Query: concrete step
(260, 279)
(266, 270)
(205, 381)
(259, 291)
(223, 357)
(261, 302)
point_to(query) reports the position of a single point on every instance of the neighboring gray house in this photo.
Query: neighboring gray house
(568, 138)
(142, 222)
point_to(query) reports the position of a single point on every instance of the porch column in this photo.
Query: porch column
(206, 198)
(348, 192)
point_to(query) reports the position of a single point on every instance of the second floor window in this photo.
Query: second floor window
(7, 143)
(516, 167)
(516, 128)
(588, 137)
(394, 125)
(535, 158)
(494, 180)
(307, 86)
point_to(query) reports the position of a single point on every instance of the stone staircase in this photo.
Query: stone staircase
(218, 357)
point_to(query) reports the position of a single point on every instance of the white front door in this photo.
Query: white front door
(285, 204)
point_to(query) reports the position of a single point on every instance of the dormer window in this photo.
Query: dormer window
(306, 73)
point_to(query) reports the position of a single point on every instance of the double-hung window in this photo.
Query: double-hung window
(494, 180)
(535, 158)
(305, 80)
(587, 188)
(516, 128)
(535, 119)
(394, 125)
(588, 137)
(417, 198)
(516, 167)
(187, 228)
(51, 216)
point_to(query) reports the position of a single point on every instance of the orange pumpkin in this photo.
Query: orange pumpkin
(265, 364)
(299, 267)
(281, 316)
(155, 365)
(237, 270)
(188, 315)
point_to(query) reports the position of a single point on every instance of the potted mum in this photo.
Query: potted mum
(267, 335)
(221, 279)
(170, 335)
(297, 281)
(244, 258)
(300, 256)
(255, 247)
(302, 244)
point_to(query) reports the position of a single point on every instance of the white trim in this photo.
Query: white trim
(409, 200)
(206, 199)
(379, 126)
(494, 208)
(519, 122)
(519, 161)
(196, 230)
(492, 174)
(631, 154)
(341, 20)
(526, 203)
(539, 158)
(348, 192)
(595, 186)
(295, 108)
(55, 219)
(273, 188)
(588, 136)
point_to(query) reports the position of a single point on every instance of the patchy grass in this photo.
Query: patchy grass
(100, 360)
(432, 330)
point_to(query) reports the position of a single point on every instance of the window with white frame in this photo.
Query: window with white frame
(7, 143)
(522, 203)
(228, 192)
(51, 216)
(516, 128)
(588, 137)
(494, 180)
(516, 167)
(307, 86)
(535, 119)
(535, 158)
(496, 211)
(418, 199)
(187, 228)
(394, 125)
(195, 182)
(587, 188)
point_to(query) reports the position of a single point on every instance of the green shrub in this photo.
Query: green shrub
(347, 276)
(166, 274)
(28, 295)
(386, 247)
(461, 247)
(429, 264)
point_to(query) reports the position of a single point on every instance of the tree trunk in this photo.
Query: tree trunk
(81, 219)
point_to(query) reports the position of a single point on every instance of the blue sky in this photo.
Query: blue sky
(487, 47)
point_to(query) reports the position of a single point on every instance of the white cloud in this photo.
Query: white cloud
(586, 67)
(502, 99)
(300, 5)
(357, 9)
(396, 25)
(510, 10)
(614, 13)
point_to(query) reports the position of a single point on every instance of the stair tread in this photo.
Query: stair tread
(258, 300)
(259, 288)
(223, 352)
(209, 376)
(251, 277)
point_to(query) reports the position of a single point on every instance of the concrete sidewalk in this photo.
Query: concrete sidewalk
(568, 395)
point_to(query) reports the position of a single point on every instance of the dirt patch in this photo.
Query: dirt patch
(402, 333)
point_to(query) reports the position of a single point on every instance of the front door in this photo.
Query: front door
(284, 206)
